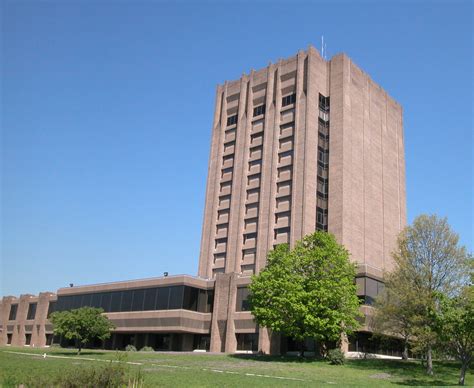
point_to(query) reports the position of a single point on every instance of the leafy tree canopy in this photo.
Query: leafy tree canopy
(454, 320)
(307, 292)
(428, 262)
(82, 325)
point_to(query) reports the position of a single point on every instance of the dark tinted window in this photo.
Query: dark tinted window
(13, 310)
(126, 300)
(323, 103)
(51, 308)
(162, 298)
(86, 300)
(31, 311)
(115, 302)
(232, 120)
(242, 299)
(368, 289)
(176, 297)
(138, 297)
(150, 296)
(76, 301)
(105, 301)
(259, 110)
(287, 100)
(247, 341)
(95, 301)
(190, 300)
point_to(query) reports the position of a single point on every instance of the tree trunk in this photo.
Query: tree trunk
(79, 348)
(405, 350)
(429, 362)
(302, 349)
(463, 372)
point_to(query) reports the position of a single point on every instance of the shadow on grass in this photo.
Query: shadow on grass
(424, 383)
(412, 372)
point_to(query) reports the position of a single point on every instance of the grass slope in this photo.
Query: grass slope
(18, 365)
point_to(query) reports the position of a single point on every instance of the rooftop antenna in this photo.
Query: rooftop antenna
(322, 46)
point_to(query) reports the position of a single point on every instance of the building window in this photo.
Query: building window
(49, 339)
(277, 231)
(231, 120)
(259, 110)
(9, 338)
(368, 289)
(288, 100)
(323, 103)
(247, 341)
(321, 219)
(31, 311)
(27, 339)
(242, 299)
(13, 310)
(51, 308)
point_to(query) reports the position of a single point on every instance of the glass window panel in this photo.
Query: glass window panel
(190, 298)
(67, 302)
(149, 299)
(176, 297)
(202, 301)
(360, 283)
(51, 308)
(242, 299)
(76, 301)
(138, 298)
(126, 304)
(115, 301)
(31, 311)
(210, 301)
(86, 300)
(105, 301)
(371, 287)
(95, 300)
(13, 310)
(162, 298)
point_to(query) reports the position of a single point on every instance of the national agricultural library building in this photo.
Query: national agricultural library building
(304, 144)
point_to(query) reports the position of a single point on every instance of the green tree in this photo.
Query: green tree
(428, 261)
(307, 292)
(455, 327)
(82, 325)
(394, 311)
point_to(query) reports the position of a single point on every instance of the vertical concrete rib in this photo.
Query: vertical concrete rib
(298, 153)
(267, 185)
(239, 208)
(238, 172)
(210, 207)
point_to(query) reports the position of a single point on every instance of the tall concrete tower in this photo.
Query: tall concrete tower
(302, 145)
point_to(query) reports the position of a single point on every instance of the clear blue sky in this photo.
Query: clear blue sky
(107, 110)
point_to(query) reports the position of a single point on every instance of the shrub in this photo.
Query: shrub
(147, 349)
(111, 375)
(336, 357)
(130, 348)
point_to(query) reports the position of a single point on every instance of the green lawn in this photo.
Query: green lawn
(205, 370)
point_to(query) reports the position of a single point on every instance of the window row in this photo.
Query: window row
(368, 289)
(144, 299)
(259, 110)
(231, 120)
(29, 315)
(288, 100)
(323, 103)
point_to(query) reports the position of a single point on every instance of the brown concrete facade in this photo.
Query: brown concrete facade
(304, 144)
